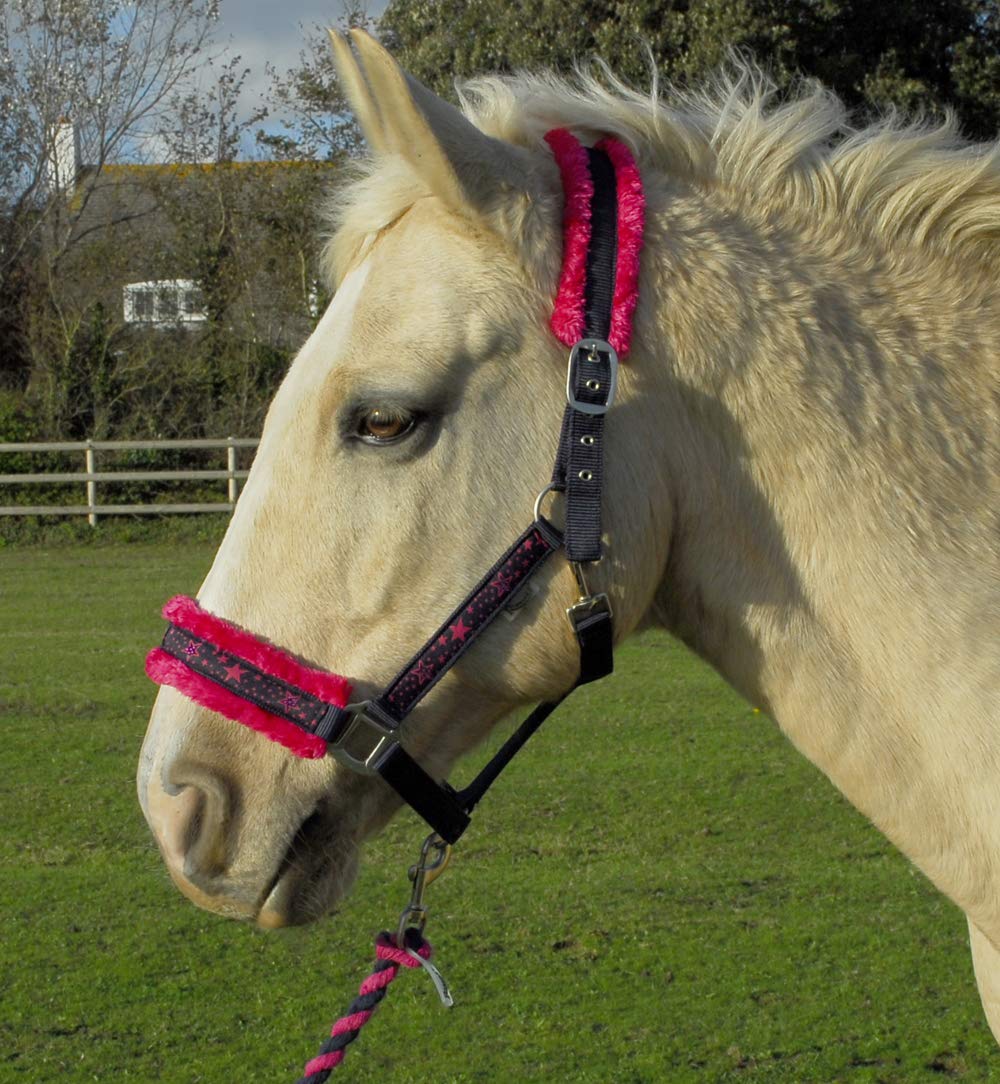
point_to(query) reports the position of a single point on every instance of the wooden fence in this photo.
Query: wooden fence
(90, 477)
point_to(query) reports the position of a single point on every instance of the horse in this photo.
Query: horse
(802, 463)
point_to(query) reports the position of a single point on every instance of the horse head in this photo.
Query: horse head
(403, 450)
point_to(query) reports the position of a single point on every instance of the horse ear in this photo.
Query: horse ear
(469, 170)
(359, 94)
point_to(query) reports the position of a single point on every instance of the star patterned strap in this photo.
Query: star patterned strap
(245, 680)
(244, 677)
(495, 592)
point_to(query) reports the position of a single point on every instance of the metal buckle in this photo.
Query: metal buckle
(587, 605)
(364, 759)
(591, 350)
(582, 612)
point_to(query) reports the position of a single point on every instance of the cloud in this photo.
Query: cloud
(274, 34)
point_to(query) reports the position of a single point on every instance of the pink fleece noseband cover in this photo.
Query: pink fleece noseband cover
(231, 671)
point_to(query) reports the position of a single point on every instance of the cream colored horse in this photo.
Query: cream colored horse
(803, 465)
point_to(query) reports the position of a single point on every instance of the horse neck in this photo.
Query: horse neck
(827, 421)
(811, 383)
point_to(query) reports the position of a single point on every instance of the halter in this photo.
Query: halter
(245, 678)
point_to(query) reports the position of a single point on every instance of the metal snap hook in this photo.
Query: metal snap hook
(434, 857)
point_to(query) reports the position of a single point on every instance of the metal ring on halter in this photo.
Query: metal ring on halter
(552, 487)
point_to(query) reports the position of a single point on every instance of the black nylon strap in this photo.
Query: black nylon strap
(582, 453)
(580, 459)
(596, 661)
(602, 254)
(596, 639)
(437, 803)
(470, 796)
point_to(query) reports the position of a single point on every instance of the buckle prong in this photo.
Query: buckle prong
(581, 580)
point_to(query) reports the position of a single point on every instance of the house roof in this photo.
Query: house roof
(125, 191)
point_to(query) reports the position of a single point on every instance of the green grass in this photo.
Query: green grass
(659, 889)
(58, 532)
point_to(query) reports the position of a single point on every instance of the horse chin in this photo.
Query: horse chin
(305, 887)
(315, 873)
(297, 900)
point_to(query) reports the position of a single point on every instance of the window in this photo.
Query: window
(166, 303)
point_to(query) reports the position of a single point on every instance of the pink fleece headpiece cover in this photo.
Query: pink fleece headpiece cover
(567, 321)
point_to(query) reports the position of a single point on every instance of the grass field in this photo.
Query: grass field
(659, 889)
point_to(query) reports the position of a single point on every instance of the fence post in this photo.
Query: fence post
(91, 486)
(231, 467)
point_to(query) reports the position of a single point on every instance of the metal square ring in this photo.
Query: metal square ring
(375, 735)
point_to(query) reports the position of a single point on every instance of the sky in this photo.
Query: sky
(262, 32)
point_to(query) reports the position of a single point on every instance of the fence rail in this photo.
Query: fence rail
(90, 476)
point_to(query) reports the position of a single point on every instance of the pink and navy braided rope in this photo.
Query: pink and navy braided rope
(389, 959)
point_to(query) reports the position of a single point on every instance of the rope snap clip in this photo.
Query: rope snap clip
(434, 857)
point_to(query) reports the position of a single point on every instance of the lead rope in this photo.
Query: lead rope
(406, 948)
(389, 959)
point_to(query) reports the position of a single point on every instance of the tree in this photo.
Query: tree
(250, 233)
(921, 55)
(315, 117)
(205, 124)
(80, 81)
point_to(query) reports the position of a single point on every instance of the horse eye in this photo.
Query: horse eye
(382, 426)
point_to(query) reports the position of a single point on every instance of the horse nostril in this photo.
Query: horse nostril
(175, 818)
(190, 818)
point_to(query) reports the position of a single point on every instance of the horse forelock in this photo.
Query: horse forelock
(375, 193)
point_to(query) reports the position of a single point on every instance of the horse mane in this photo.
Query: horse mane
(909, 181)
